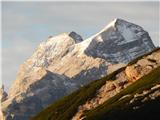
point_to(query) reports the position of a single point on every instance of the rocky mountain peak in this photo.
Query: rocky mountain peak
(73, 62)
(129, 31)
(116, 38)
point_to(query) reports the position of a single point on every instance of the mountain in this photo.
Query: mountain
(130, 93)
(66, 62)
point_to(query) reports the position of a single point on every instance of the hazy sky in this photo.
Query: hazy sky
(26, 24)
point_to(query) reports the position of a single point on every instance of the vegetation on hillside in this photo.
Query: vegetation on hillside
(115, 109)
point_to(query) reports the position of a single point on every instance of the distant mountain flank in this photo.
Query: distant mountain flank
(64, 63)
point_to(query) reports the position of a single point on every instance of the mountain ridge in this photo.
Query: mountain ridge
(55, 66)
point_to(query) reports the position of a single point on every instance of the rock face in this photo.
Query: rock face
(121, 81)
(63, 63)
(118, 39)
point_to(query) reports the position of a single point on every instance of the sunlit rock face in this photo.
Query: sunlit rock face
(63, 63)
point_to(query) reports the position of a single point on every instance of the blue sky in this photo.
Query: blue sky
(26, 24)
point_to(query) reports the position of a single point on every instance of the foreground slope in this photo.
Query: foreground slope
(139, 101)
(64, 63)
(128, 93)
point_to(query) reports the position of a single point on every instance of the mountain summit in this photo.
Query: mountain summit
(64, 63)
(116, 39)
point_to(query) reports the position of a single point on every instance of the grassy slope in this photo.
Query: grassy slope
(66, 107)
(116, 109)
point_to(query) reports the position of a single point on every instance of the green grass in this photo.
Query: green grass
(113, 103)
